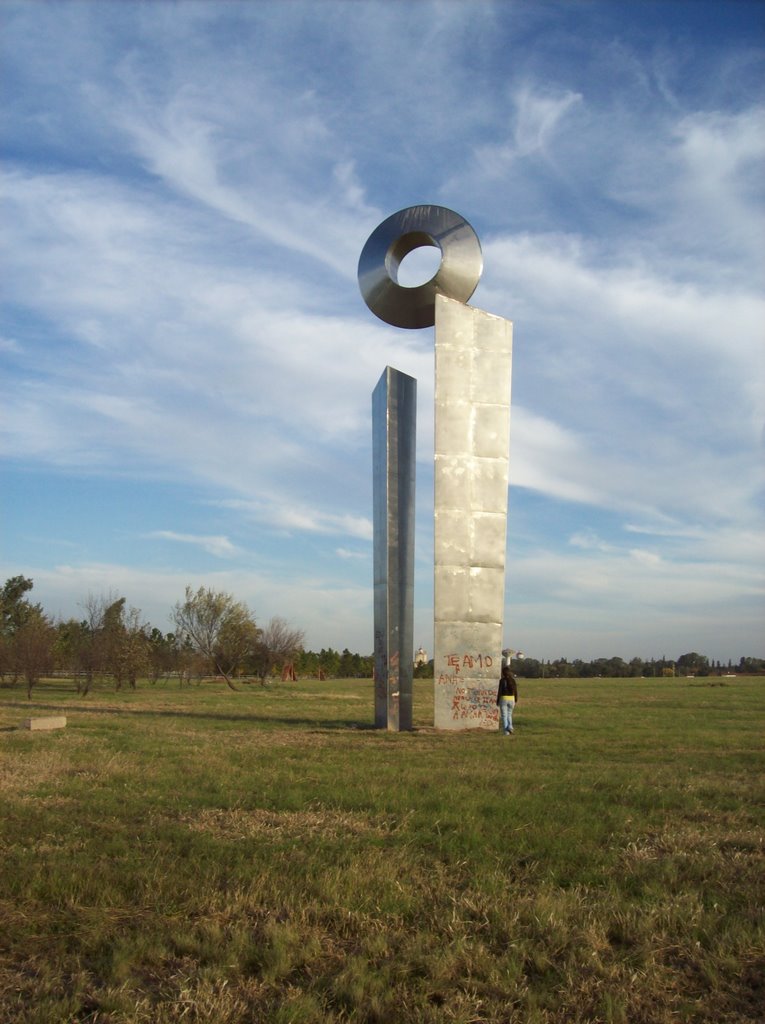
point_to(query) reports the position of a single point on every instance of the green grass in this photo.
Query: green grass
(207, 856)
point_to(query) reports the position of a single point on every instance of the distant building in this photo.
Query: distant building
(420, 657)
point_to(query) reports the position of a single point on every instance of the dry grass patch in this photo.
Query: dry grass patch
(73, 758)
(45, 764)
(265, 857)
(738, 845)
(241, 824)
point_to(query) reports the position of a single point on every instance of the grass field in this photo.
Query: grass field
(266, 856)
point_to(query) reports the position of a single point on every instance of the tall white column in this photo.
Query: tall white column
(472, 440)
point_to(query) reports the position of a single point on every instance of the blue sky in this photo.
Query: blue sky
(187, 364)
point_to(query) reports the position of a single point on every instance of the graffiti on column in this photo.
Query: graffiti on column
(474, 703)
(458, 665)
(381, 666)
(393, 675)
(469, 702)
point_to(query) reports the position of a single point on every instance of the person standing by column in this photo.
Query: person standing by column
(507, 698)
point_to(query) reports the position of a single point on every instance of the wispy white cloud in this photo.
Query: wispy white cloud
(649, 558)
(633, 603)
(287, 515)
(589, 540)
(663, 402)
(219, 546)
(329, 611)
(187, 190)
(345, 554)
(536, 115)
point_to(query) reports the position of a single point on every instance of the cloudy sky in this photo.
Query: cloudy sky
(187, 364)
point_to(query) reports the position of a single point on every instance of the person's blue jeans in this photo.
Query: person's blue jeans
(506, 715)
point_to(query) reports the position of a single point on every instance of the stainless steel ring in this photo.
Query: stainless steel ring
(457, 276)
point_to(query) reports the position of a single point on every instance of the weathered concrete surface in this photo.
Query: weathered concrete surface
(472, 448)
(394, 412)
(51, 722)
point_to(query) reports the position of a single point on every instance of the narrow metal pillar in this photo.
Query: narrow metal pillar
(394, 411)
(472, 440)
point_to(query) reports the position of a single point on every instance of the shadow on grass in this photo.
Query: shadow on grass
(315, 723)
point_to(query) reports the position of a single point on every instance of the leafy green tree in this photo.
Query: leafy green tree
(218, 627)
(345, 665)
(74, 652)
(5, 658)
(162, 654)
(421, 671)
(754, 666)
(14, 607)
(113, 640)
(529, 668)
(20, 647)
(562, 669)
(307, 663)
(329, 663)
(14, 610)
(693, 663)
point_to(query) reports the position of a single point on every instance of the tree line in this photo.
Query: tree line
(214, 634)
(690, 664)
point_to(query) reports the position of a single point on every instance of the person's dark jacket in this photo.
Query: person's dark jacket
(508, 687)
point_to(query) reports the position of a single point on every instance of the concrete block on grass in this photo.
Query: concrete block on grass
(40, 724)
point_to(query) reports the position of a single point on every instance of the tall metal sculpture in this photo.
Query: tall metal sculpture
(472, 431)
(394, 413)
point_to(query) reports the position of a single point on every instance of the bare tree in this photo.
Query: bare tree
(109, 641)
(219, 627)
(92, 644)
(132, 648)
(279, 643)
(34, 643)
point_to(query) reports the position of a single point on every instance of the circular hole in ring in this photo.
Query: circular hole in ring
(417, 226)
(419, 266)
(413, 259)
